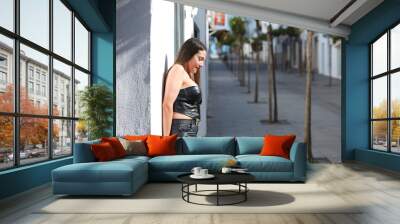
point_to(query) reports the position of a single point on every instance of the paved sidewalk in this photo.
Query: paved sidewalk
(231, 113)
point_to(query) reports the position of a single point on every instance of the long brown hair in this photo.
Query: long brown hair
(188, 49)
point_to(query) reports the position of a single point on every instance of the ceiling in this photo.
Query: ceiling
(325, 16)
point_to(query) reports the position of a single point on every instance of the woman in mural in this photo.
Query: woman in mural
(181, 90)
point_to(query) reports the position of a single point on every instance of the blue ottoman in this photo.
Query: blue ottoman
(118, 177)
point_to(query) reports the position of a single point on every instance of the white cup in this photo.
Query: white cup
(226, 170)
(196, 170)
(203, 172)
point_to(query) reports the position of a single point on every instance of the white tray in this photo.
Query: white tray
(208, 176)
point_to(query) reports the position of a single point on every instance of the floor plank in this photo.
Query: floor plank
(377, 191)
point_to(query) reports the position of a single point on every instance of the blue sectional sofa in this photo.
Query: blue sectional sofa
(125, 176)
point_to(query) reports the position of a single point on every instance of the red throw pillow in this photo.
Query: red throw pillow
(116, 145)
(277, 145)
(161, 145)
(103, 151)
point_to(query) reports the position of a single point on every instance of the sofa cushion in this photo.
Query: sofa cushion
(103, 152)
(207, 145)
(257, 163)
(111, 171)
(185, 163)
(249, 145)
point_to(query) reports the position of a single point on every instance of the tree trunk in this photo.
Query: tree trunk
(300, 57)
(241, 65)
(307, 114)
(257, 76)
(273, 108)
(249, 75)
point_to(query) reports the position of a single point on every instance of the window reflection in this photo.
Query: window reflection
(81, 45)
(379, 135)
(34, 21)
(62, 29)
(395, 47)
(34, 145)
(379, 99)
(379, 55)
(7, 14)
(62, 138)
(6, 74)
(36, 103)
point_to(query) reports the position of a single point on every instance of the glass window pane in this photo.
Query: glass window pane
(379, 97)
(81, 81)
(62, 138)
(395, 135)
(6, 74)
(62, 29)
(7, 14)
(379, 135)
(395, 95)
(33, 139)
(34, 78)
(395, 47)
(379, 55)
(6, 142)
(81, 45)
(62, 89)
(81, 131)
(35, 21)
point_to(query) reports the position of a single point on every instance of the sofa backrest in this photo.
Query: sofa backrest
(206, 145)
(83, 152)
(249, 145)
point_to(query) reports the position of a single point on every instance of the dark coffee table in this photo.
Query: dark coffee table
(238, 179)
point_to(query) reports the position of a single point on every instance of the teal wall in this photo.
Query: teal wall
(103, 63)
(356, 85)
(24, 178)
(99, 15)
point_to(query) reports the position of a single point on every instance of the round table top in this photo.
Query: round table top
(220, 178)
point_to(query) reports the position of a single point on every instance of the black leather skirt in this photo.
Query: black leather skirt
(185, 127)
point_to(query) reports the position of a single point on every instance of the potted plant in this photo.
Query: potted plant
(96, 102)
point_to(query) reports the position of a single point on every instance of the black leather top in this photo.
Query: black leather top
(188, 102)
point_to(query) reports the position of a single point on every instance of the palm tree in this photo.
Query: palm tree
(294, 34)
(238, 27)
(226, 38)
(307, 114)
(272, 95)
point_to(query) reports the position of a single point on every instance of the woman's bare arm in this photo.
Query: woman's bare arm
(172, 86)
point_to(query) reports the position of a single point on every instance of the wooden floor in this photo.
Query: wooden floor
(379, 190)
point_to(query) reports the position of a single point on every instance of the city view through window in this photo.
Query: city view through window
(39, 113)
(385, 82)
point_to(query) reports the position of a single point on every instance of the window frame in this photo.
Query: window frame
(16, 114)
(388, 74)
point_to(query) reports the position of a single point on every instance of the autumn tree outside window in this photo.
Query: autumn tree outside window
(385, 91)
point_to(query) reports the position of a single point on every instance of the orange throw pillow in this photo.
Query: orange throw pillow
(103, 152)
(275, 145)
(161, 145)
(135, 137)
(116, 145)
